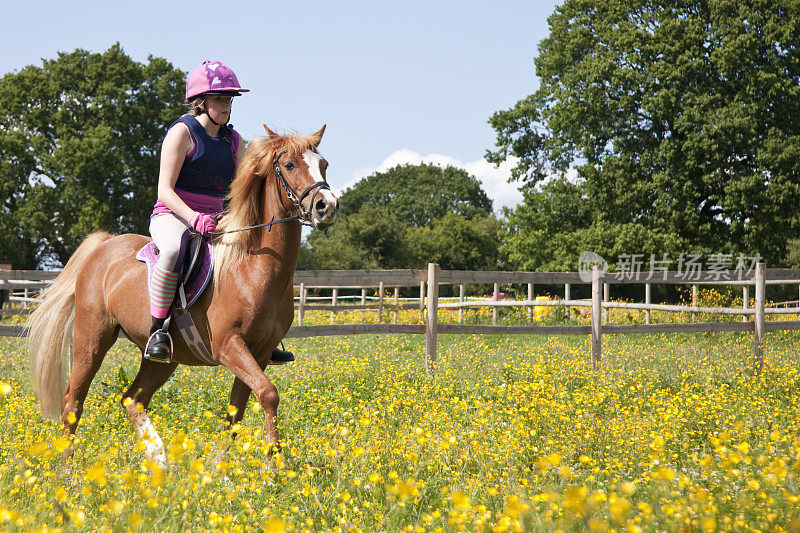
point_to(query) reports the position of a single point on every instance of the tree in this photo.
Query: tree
(456, 242)
(79, 149)
(553, 225)
(418, 194)
(408, 216)
(371, 237)
(682, 119)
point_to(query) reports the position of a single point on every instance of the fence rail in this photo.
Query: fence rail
(429, 302)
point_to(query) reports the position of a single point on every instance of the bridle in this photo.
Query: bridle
(297, 200)
(304, 216)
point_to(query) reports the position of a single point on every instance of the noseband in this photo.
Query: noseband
(291, 193)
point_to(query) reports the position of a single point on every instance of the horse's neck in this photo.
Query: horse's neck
(282, 242)
(277, 250)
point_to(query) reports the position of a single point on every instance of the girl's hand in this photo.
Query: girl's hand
(203, 223)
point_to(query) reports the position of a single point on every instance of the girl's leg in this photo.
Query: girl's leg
(167, 231)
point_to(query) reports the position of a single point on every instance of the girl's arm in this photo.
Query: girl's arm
(240, 150)
(177, 145)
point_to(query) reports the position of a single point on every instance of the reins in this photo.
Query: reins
(268, 225)
(303, 216)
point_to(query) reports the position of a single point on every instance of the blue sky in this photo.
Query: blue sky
(394, 81)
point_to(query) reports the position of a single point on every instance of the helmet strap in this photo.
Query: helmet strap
(209, 116)
(212, 120)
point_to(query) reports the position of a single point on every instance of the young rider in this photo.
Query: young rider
(199, 157)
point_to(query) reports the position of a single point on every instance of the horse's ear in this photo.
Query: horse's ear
(316, 138)
(270, 134)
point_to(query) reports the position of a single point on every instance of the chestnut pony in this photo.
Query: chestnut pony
(103, 289)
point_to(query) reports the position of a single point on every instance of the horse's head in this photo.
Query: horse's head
(300, 178)
(280, 179)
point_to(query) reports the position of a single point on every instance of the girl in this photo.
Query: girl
(199, 157)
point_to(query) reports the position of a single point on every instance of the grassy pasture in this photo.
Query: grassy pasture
(672, 433)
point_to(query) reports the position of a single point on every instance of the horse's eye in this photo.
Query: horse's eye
(289, 166)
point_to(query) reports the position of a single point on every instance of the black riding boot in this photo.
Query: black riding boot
(281, 357)
(159, 344)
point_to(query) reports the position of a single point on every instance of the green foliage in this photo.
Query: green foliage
(371, 237)
(79, 142)
(119, 384)
(554, 224)
(456, 243)
(793, 253)
(408, 216)
(680, 119)
(419, 193)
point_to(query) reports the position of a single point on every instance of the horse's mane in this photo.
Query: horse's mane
(246, 199)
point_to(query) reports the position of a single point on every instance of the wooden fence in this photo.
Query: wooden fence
(429, 302)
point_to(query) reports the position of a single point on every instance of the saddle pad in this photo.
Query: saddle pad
(195, 286)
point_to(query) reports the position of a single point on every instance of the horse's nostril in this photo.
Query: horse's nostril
(321, 206)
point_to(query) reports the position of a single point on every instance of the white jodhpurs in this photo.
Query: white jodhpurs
(167, 230)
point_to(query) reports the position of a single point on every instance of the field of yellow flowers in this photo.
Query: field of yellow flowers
(673, 432)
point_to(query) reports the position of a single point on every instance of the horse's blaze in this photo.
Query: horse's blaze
(313, 160)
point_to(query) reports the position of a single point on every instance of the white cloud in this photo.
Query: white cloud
(494, 180)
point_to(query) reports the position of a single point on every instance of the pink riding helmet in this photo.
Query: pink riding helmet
(213, 77)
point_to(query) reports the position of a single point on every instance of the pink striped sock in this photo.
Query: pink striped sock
(162, 291)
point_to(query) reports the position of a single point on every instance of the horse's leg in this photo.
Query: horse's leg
(91, 339)
(136, 400)
(240, 394)
(237, 357)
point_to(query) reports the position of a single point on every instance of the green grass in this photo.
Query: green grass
(672, 431)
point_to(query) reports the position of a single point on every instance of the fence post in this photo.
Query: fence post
(363, 303)
(461, 301)
(597, 310)
(745, 301)
(301, 309)
(396, 298)
(380, 302)
(421, 300)
(433, 312)
(530, 298)
(694, 300)
(495, 297)
(647, 302)
(758, 330)
(334, 300)
(567, 296)
(606, 297)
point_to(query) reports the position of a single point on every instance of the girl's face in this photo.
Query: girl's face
(219, 107)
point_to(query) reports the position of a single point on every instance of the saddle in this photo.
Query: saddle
(197, 267)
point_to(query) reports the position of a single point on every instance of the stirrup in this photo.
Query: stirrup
(153, 343)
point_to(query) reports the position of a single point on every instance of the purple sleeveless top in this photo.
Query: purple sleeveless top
(207, 170)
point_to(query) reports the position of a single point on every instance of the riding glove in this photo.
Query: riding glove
(203, 223)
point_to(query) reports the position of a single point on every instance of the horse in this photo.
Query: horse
(242, 316)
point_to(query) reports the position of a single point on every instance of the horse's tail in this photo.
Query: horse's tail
(49, 329)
